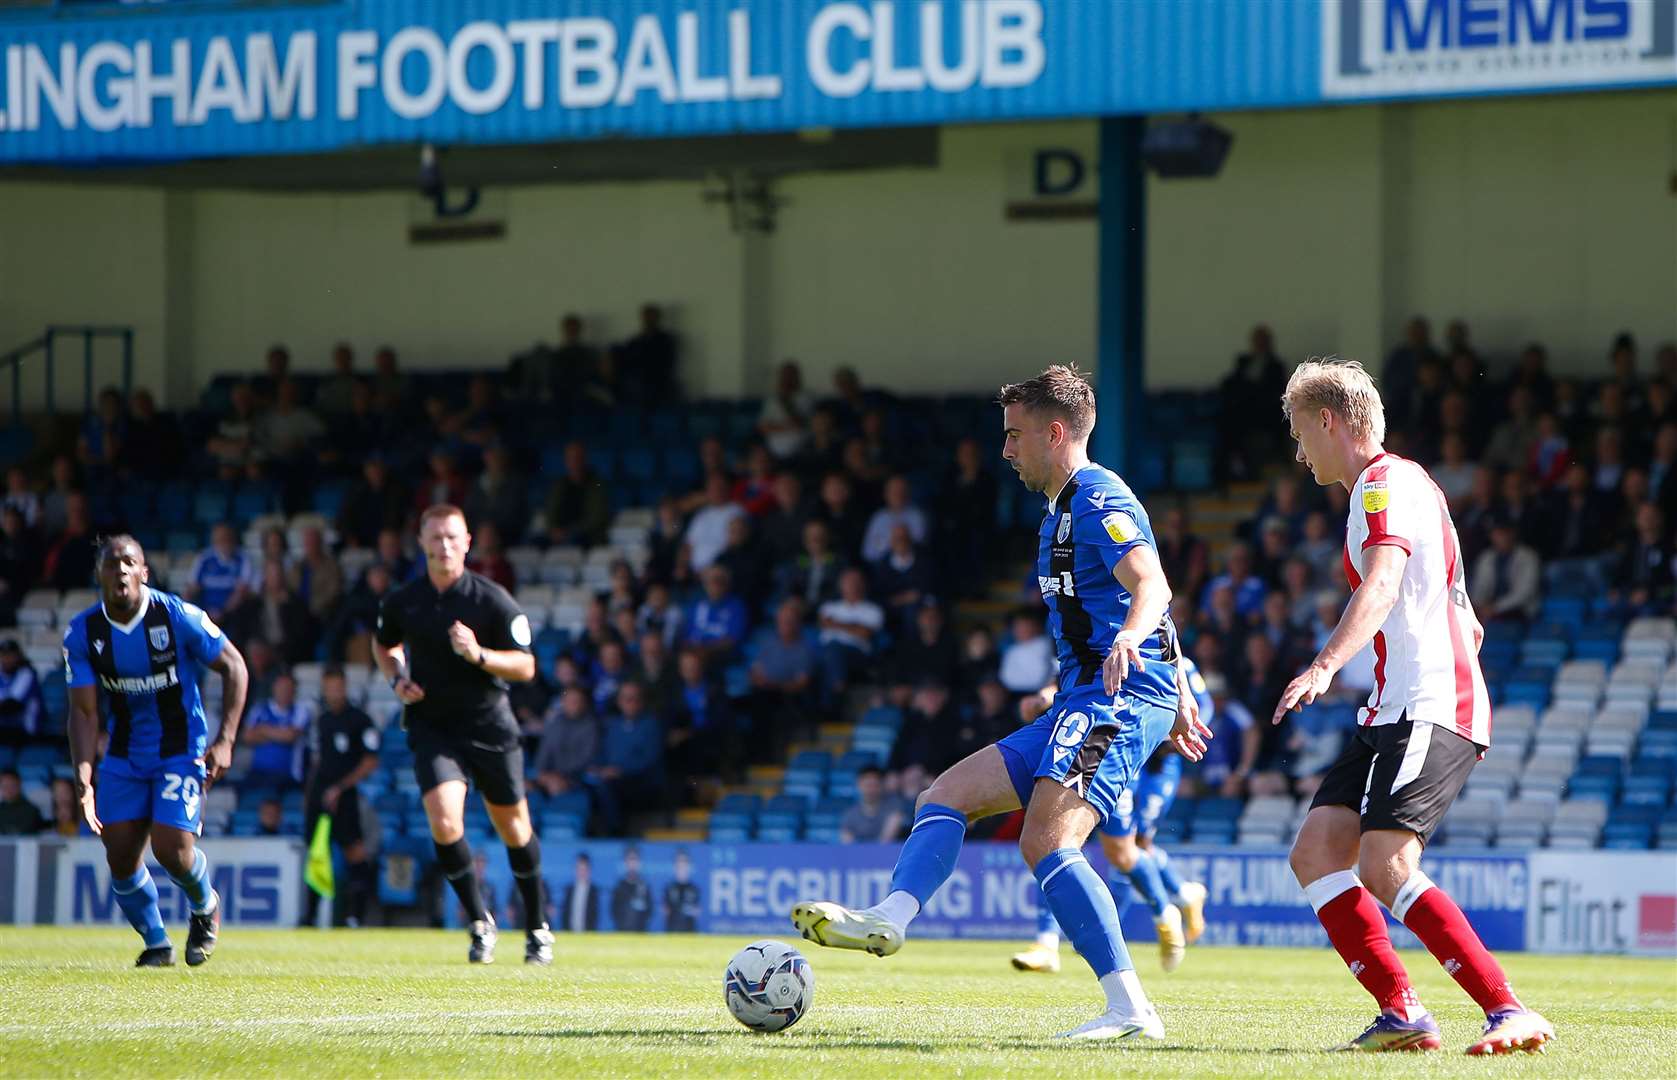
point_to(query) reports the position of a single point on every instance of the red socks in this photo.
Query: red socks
(1355, 925)
(1444, 930)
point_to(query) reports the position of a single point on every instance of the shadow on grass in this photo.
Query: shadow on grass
(807, 1040)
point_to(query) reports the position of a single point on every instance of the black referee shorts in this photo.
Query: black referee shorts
(347, 828)
(497, 770)
(1399, 776)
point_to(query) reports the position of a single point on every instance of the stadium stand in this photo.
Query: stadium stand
(1585, 688)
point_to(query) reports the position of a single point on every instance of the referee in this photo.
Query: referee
(449, 643)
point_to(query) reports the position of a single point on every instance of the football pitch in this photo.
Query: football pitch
(405, 1003)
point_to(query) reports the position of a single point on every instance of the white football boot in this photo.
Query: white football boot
(839, 927)
(1116, 1026)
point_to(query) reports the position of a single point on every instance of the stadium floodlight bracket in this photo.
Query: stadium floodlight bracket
(750, 198)
(433, 187)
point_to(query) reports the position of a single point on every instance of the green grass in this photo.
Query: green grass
(404, 1003)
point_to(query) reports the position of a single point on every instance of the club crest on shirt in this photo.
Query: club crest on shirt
(1376, 497)
(159, 637)
(1064, 530)
(1120, 526)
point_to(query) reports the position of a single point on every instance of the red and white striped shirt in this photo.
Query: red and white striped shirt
(1425, 663)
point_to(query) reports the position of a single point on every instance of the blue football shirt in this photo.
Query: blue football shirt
(1092, 523)
(148, 671)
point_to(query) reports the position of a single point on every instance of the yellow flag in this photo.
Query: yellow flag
(317, 873)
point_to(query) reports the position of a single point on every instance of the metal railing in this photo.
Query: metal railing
(48, 344)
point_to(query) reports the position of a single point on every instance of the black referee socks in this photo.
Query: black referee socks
(455, 861)
(526, 863)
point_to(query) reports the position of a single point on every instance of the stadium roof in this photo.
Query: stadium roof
(99, 81)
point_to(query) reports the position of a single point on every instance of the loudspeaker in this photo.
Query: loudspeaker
(1191, 147)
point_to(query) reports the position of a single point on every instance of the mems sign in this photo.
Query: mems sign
(1426, 46)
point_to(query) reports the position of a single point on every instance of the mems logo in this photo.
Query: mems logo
(1396, 48)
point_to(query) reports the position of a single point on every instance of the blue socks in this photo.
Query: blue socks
(1173, 884)
(1145, 878)
(928, 855)
(196, 883)
(1084, 908)
(137, 897)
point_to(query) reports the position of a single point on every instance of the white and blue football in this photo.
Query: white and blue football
(768, 985)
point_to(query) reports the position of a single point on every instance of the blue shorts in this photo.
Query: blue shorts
(1141, 808)
(170, 792)
(1089, 742)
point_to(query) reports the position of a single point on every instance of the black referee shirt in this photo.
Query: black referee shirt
(339, 741)
(460, 697)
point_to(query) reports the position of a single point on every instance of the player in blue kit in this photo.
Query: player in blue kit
(1117, 700)
(144, 652)
(1178, 906)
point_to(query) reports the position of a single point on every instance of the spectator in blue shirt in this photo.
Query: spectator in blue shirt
(1248, 587)
(608, 673)
(222, 576)
(103, 434)
(784, 677)
(276, 730)
(899, 509)
(703, 738)
(717, 623)
(630, 774)
(22, 708)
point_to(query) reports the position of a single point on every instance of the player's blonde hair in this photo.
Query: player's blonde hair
(1343, 388)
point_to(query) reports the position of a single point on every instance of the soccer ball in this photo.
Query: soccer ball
(768, 985)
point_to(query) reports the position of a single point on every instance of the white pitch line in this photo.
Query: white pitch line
(259, 1022)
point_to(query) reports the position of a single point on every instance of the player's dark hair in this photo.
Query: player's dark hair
(107, 546)
(582, 857)
(1062, 392)
(332, 671)
(869, 770)
(11, 772)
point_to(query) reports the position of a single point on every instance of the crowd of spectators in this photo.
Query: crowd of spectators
(813, 565)
(1549, 480)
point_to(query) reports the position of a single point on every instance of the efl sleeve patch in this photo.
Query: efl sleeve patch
(521, 631)
(1121, 527)
(1376, 496)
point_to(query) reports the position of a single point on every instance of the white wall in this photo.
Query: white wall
(314, 270)
(1548, 218)
(1545, 218)
(916, 279)
(81, 255)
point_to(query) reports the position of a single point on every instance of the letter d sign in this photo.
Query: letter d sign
(1057, 172)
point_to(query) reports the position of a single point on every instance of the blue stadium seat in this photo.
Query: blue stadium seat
(1658, 744)
(1564, 609)
(184, 541)
(738, 802)
(1535, 694)
(884, 716)
(1600, 765)
(251, 502)
(812, 760)
(1213, 832)
(1596, 649)
(1548, 652)
(327, 498)
(210, 504)
(1601, 788)
(174, 503)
